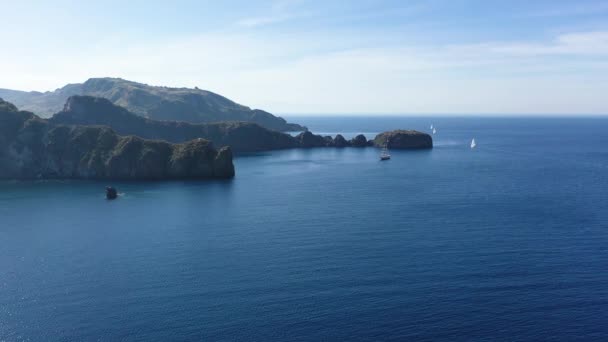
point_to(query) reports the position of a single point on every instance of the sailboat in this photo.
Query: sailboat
(434, 131)
(473, 143)
(384, 155)
(431, 126)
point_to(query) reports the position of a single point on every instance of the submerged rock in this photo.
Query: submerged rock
(404, 139)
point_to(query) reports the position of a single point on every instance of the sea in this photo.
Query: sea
(504, 242)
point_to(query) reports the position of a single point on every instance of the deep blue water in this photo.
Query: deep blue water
(505, 242)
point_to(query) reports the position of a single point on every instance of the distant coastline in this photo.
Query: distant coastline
(94, 137)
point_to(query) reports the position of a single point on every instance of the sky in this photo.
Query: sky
(324, 57)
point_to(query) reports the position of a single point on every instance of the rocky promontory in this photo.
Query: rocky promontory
(31, 147)
(404, 139)
(92, 138)
(240, 136)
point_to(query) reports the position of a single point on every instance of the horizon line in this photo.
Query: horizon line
(422, 115)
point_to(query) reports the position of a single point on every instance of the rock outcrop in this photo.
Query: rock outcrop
(308, 140)
(339, 141)
(240, 136)
(404, 139)
(359, 141)
(160, 103)
(31, 147)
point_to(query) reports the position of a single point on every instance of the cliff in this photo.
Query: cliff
(160, 103)
(240, 136)
(404, 139)
(31, 147)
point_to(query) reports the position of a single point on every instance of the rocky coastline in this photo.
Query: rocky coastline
(92, 138)
(240, 136)
(34, 148)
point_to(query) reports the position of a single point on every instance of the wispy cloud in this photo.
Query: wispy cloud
(263, 21)
(581, 43)
(366, 58)
(279, 11)
(575, 8)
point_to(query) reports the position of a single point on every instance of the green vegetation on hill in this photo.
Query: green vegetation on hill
(240, 136)
(160, 103)
(31, 147)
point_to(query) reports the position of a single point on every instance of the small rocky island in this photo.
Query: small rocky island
(404, 139)
(31, 147)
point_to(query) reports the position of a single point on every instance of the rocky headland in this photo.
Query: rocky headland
(153, 102)
(240, 136)
(92, 138)
(31, 148)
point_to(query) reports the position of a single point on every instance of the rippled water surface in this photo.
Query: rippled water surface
(505, 242)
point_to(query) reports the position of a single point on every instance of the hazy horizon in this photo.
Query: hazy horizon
(444, 115)
(295, 57)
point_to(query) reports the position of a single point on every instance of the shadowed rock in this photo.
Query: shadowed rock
(240, 136)
(308, 140)
(359, 141)
(404, 139)
(31, 147)
(339, 141)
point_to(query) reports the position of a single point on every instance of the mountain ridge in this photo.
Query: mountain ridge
(154, 102)
(240, 136)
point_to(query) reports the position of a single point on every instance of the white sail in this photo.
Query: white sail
(431, 126)
(384, 155)
(473, 143)
(434, 131)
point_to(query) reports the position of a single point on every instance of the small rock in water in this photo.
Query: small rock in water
(111, 193)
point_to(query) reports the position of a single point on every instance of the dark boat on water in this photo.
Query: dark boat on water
(111, 193)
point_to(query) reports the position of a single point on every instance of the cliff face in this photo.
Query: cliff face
(160, 103)
(404, 139)
(240, 136)
(31, 147)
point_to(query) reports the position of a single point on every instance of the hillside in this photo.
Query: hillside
(159, 103)
(240, 136)
(31, 147)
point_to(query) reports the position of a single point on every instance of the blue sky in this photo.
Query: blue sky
(299, 56)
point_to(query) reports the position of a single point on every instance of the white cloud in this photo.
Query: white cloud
(262, 21)
(280, 74)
